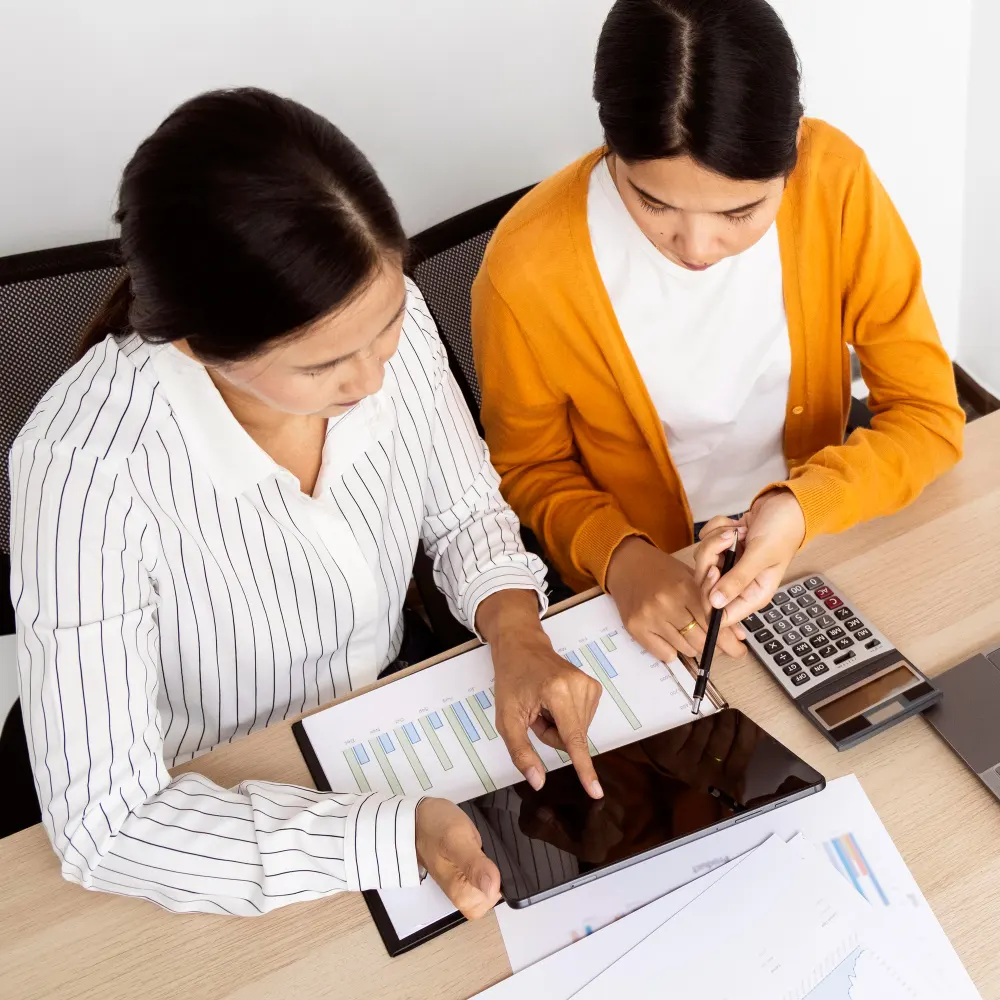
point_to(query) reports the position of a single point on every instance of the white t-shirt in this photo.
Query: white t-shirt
(712, 347)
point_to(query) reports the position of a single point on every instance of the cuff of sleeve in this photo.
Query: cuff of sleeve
(824, 498)
(510, 577)
(597, 539)
(380, 843)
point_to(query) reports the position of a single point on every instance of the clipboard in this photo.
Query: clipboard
(394, 944)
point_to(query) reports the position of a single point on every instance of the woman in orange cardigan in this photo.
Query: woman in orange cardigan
(661, 329)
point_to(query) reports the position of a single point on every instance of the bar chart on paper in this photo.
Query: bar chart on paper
(435, 732)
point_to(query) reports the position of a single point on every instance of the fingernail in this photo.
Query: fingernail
(713, 575)
(728, 534)
(486, 885)
(595, 789)
(718, 599)
(740, 633)
(535, 778)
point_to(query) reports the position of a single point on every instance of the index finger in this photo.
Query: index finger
(573, 731)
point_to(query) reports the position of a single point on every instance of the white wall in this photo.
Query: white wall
(455, 101)
(893, 74)
(979, 348)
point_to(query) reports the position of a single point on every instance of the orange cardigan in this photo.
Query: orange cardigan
(572, 430)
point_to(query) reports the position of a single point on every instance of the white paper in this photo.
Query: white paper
(434, 733)
(562, 974)
(840, 820)
(756, 933)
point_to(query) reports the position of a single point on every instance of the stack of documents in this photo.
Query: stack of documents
(787, 919)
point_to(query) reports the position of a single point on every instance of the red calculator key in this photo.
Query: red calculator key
(833, 602)
(823, 593)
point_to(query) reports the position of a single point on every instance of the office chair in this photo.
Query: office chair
(46, 300)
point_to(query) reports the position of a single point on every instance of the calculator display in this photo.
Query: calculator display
(868, 695)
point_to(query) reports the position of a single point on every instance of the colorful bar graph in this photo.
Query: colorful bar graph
(604, 672)
(477, 706)
(608, 642)
(355, 756)
(380, 747)
(427, 725)
(845, 852)
(406, 742)
(467, 734)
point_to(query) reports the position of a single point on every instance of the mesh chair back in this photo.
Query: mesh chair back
(445, 262)
(46, 301)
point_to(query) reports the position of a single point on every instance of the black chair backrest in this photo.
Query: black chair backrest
(46, 301)
(444, 262)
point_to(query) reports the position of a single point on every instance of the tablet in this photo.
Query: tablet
(659, 793)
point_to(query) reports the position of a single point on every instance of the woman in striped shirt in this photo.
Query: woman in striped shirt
(215, 517)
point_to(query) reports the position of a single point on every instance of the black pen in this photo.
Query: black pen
(712, 637)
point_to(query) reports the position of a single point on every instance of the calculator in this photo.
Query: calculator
(841, 672)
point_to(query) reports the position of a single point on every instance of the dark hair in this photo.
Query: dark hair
(715, 79)
(244, 217)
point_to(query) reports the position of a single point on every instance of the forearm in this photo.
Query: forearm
(196, 847)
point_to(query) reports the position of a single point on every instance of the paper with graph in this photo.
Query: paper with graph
(434, 733)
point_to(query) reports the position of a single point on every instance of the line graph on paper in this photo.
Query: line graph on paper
(435, 732)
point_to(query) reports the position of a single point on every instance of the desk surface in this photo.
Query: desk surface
(928, 576)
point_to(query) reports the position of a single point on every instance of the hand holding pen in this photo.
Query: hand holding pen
(712, 636)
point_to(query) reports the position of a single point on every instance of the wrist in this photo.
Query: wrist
(626, 550)
(508, 612)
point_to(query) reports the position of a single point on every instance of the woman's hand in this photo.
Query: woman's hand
(537, 689)
(772, 532)
(657, 598)
(450, 848)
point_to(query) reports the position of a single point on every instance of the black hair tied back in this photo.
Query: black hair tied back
(714, 79)
(244, 217)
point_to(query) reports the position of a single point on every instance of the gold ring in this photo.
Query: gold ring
(690, 625)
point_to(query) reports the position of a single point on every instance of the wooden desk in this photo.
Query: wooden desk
(928, 576)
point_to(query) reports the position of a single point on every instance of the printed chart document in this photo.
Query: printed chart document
(776, 927)
(434, 733)
(840, 821)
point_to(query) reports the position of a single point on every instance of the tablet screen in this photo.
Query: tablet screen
(659, 791)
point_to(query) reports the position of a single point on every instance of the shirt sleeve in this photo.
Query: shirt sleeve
(87, 654)
(917, 424)
(469, 531)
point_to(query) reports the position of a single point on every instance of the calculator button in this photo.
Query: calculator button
(872, 644)
(827, 651)
(751, 623)
(800, 678)
(799, 618)
(833, 602)
(773, 647)
(824, 592)
(792, 668)
(767, 607)
(782, 626)
(806, 600)
(802, 649)
(862, 634)
(845, 643)
(808, 629)
(843, 613)
(782, 658)
(820, 669)
(836, 632)
(764, 635)
(813, 582)
(796, 590)
(810, 659)
(780, 598)
(790, 608)
(791, 638)
(815, 610)
(819, 641)
(772, 616)
(853, 624)
(844, 657)
(824, 622)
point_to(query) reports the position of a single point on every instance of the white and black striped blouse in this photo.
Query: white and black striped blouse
(174, 589)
